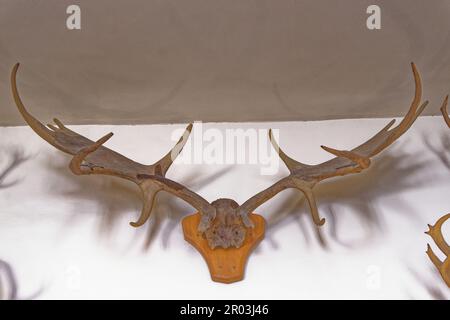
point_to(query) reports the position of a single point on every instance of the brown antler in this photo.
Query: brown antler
(435, 232)
(444, 111)
(304, 177)
(93, 158)
(220, 220)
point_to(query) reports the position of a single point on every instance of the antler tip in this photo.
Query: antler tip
(415, 72)
(331, 150)
(444, 103)
(272, 138)
(13, 73)
(108, 136)
(134, 224)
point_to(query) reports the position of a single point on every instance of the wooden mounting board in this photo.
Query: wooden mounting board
(225, 265)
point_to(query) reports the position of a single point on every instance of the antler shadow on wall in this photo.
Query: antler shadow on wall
(8, 280)
(9, 285)
(16, 158)
(442, 149)
(432, 284)
(389, 175)
(116, 199)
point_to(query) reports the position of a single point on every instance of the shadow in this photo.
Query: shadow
(432, 286)
(9, 285)
(116, 200)
(388, 176)
(16, 158)
(108, 197)
(442, 152)
(8, 282)
(294, 209)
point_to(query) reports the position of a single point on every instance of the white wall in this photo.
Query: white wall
(68, 237)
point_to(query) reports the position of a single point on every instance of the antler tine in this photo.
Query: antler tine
(417, 92)
(38, 127)
(148, 197)
(402, 127)
(77, 160)
(149, 188)
(414, 112)
(164, 164)
(310, 197)
(363, 162)
(59, 123)
(433, 257)
(288, 161)
(445, 112)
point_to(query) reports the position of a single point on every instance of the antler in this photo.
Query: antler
(304, 177)
(445, 112)
(435, 232)
(93, 158)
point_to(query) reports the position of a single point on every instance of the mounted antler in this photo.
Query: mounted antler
(91, 157)
(435, 232)
(445, 112)
(304, 177)
(223, 223)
